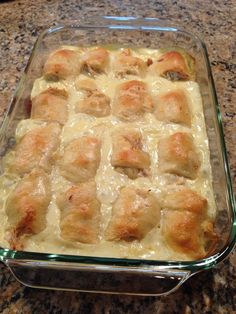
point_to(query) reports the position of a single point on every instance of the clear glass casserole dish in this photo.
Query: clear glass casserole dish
(115, 275)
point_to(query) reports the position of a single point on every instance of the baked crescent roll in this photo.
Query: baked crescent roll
(132, 100)
(26, 207)
(126, 64)
(185, 225)
(175, 65)
(178, 155)
(135, 213)
(128, 156)
(81, 159)
(185, 199)
(36, 148)
(50, 104)
(173, 107)
(80, 213)
(95, 102)
(95, 60)
(183, 233)
(62, 64)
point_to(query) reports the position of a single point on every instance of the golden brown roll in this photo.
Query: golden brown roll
(183, 233)
(62, 64)
(81, 159)
(185, 199)
(135, 213)
(36, 148)
(132, 100)
(128, 156)
(126, 64)
(80, 213)
(27, 206)
(185, 225)
(50, 104)
(97, 104)
(175, 65)
(95, 60)
(94, 102)
(178, 155)
(173, 107)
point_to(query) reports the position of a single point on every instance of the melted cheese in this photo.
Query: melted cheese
(107, 179)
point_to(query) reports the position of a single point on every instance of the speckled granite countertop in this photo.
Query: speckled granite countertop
(213, 291)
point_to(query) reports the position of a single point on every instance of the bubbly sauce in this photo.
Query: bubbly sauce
(109, 182)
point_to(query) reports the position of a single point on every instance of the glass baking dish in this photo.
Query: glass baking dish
(115, 275)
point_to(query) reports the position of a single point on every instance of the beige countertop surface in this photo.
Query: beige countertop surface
(212, 291)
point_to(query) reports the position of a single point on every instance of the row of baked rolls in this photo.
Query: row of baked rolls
(80, 158)
(173, 64)
(39, 148)
(52, 104)
(177, 154)
(68, 63)
(135, 213)
(185, 227)
(132, 99)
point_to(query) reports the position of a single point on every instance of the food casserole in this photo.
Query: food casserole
(97, 273)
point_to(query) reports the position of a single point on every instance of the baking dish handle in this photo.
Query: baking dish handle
(150, 280)
(127, 22)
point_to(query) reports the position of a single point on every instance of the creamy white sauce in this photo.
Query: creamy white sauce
(109, 181)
